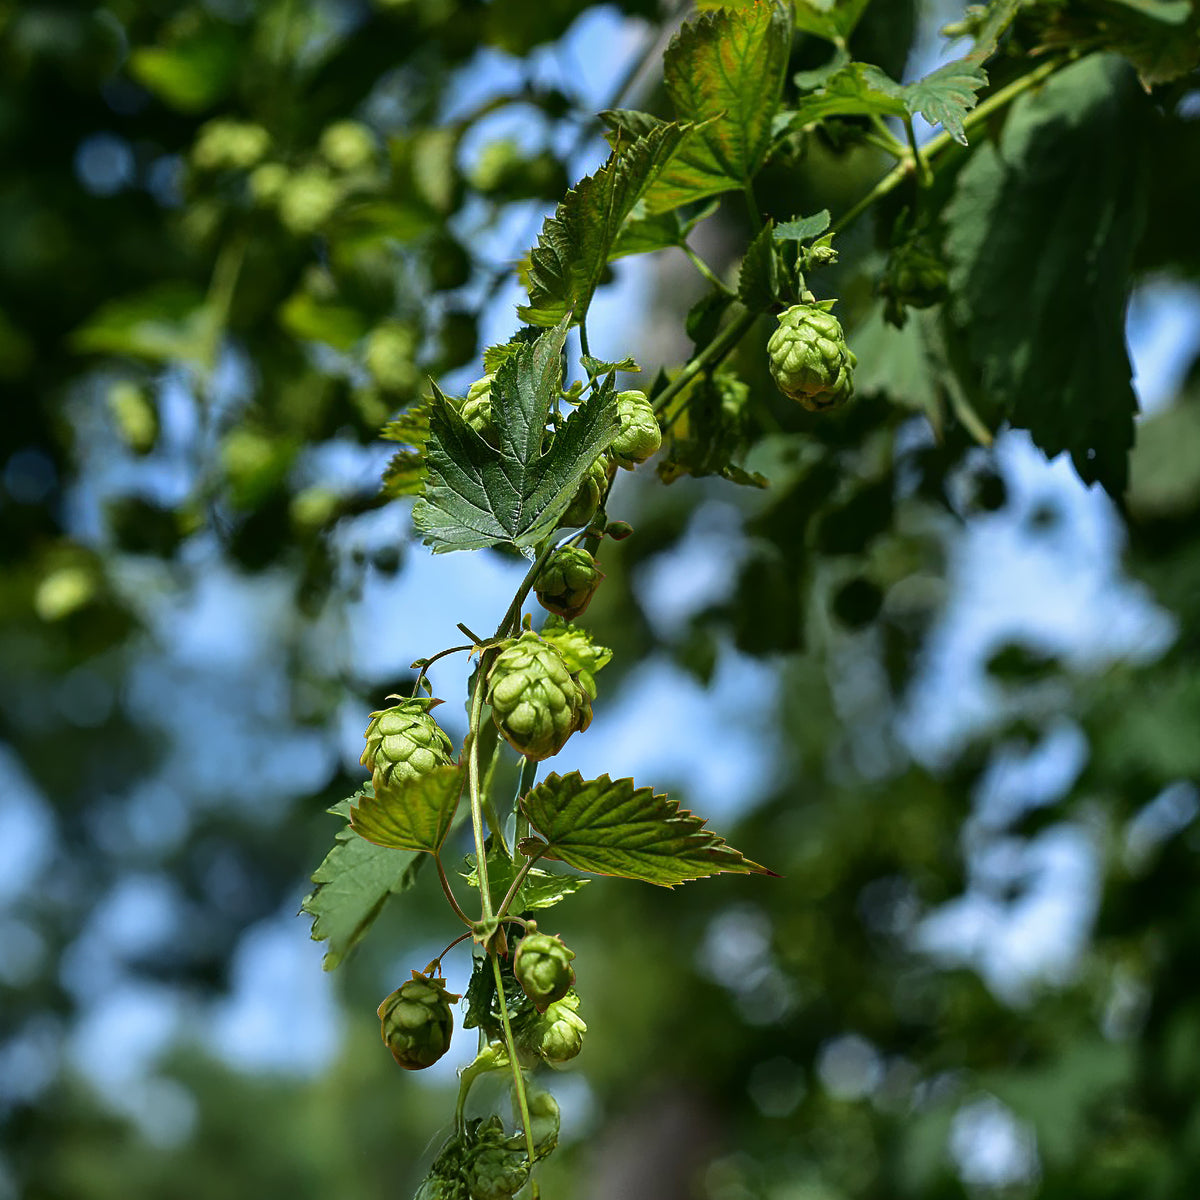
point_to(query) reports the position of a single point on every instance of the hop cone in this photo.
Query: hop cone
(557, 1034)
(809, 358)
(404, 741)
(639, 436)
(542, 966)
(536, 702)
(915, 278)
(417, 1022)
(568, 581)
(587, 499)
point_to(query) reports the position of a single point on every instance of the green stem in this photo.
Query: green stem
(476, 803)
(710, 356)
(454, 904)
(924, 175)
(512, 618)
(583, 341)
(518, 879)
(426, 663)
(437, 962)
(517, 1074)
(706, 270)
(886, 139)
(529, 770)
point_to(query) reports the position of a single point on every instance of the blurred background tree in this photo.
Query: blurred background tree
(948, 692)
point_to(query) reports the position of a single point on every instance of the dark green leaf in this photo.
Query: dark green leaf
(758, 280)
(477, 496)
(1040, 236)
(353, 883)
(572, 252)
(613, 828)
(409, 814)
(483, 1011)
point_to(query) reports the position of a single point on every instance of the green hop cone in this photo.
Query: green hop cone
(566, 584)
(555, 1036)
(542, 966)
(496, 1166)
(587, 499)
(915, 278)
(417, 1022)
(536, 702)
(404, 741)
(639, 436)
(477, 411)
(809, 358)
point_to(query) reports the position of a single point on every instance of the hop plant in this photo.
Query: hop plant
(566, 584)
(639, 436)
(404, 741)
(542, 966)
(536, 702)
(497, 1166)
(809, 358)
(417, 1022)
(477, 411)
(555, 1036)
(587, 499)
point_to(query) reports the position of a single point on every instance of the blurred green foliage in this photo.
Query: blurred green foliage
(235, 236)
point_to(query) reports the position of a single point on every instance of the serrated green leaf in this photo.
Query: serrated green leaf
(354, 882)
(477, 496)
(409, 814)
(405, 474)
(945, 96)
(758, 279)
(539, 890)
(645, 233)
(724, 72)
(615, 828)
(803, 229)
(857, 90)
(1040, 236)
(483, 1012)
(583, 656)
(597, 366)
(572, 252)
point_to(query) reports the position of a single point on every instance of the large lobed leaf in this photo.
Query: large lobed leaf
(478, 496)
(614, 828)
(353, 884)
(409, 814)
(1040, 238)
(573, 250)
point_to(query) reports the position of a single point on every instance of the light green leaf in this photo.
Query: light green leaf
(477, 496)
(724, 72)
(584, 657)
(572, 252)
(337, 325)
(945, 96)
(540, 889)
(613, 828)
(194, 73)
(833, 20)
(857, 90)
(409, 814)
(645, 233)
(598, 366)
(406, 473)
(803, 229)
(353, 884)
